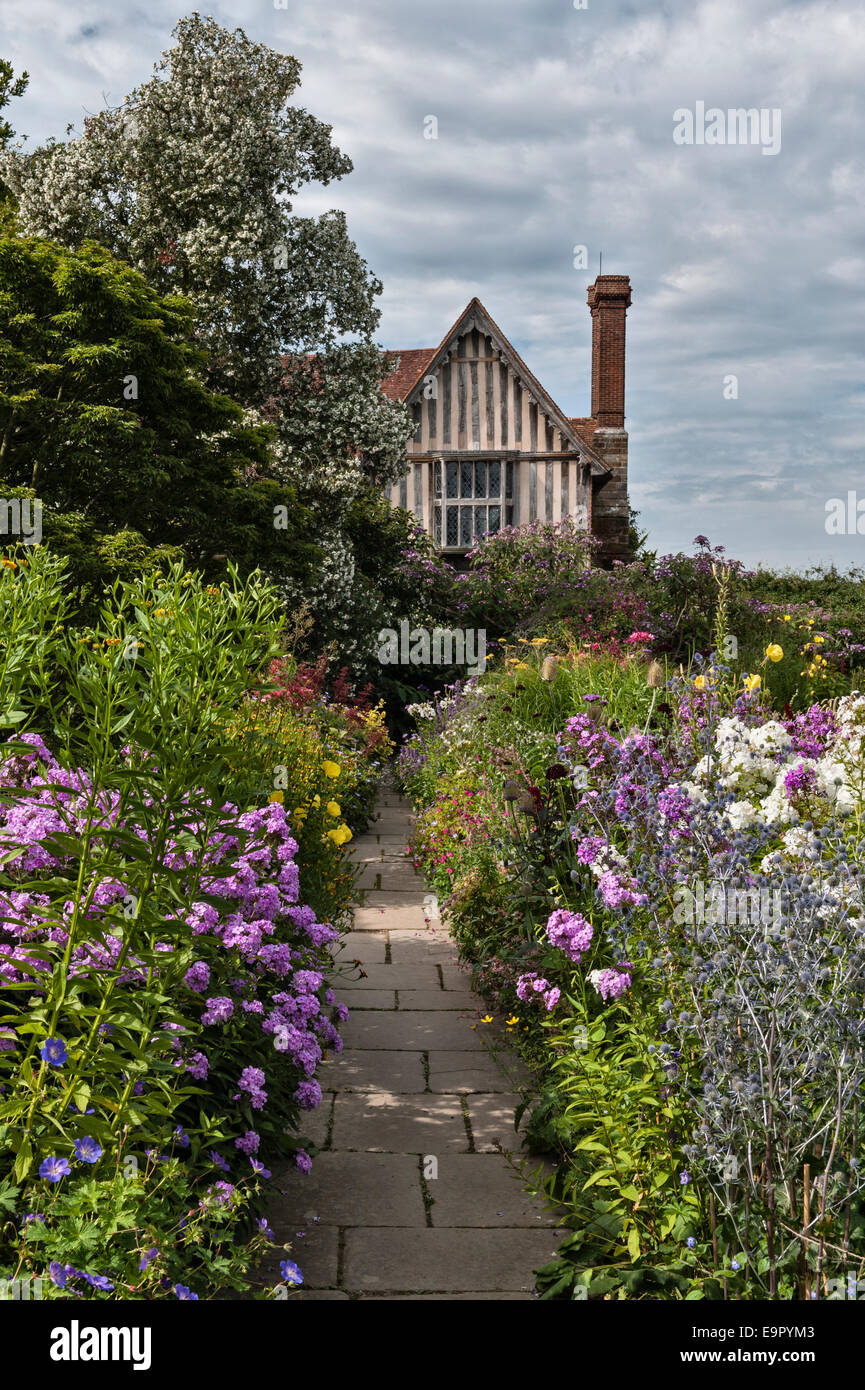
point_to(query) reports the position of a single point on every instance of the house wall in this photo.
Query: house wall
(475, 405)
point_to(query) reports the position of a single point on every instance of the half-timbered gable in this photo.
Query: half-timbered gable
(491, 448)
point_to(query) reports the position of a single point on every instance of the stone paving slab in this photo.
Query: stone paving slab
(439, 999)
(373, 1071)
(363, 946)
(392, 977)
(389, 1123)
(456, 976)
(412, 1030)
(491, 1118)
(394, 899)
(314, 1247)
(378, 881)
(382, 999)
(421, 944)
(313, 1124)
(409, 918)
(412, 1260)
(351, 1189)
(466, 1071)
(435, 1297)
(482, 1190)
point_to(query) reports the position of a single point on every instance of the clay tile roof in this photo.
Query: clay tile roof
(412, 363)
(584, 426)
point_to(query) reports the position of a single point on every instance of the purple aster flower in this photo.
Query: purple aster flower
(260, 1169)
(185, 1294)
(58, 1274)
(147, 1257)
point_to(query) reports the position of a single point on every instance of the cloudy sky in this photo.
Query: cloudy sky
(555, 131)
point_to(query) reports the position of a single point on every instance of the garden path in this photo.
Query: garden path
(409, 1196)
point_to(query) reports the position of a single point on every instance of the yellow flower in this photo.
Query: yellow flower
(316, 801)
(487, 1018)
(540, 641)
(752, 683)
(818, 639)
(787, 618)
(300, 812)
(700, 683)
(774, 652)
(512, 1020)
(276, 796)
(333, 808)
(330, 769)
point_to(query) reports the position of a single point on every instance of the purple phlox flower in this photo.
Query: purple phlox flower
(248, 1143)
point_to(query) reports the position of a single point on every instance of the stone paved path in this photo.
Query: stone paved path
(409, 1197)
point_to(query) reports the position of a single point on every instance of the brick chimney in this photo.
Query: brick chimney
(609, 298)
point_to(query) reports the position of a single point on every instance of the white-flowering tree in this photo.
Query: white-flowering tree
(191, 180)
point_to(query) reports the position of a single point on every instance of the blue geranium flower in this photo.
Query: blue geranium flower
(290, 1272)
(53, 1168)
(53, 1051)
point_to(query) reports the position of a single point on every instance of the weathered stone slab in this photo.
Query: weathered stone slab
(482, 1190)
(314, 1246)
(491, 1117)
(366, 999)
(393, 898)
(440, 999)
(389, 1123)
(313, 1124)
(420, 1031)
(351, 1189)
(401, 1260)
(391, 977)
(373, 1071)
(466, 1071)
(420, 944)
(435, 1297)
(456, 976)
(383, 880)
(376, 918)
(366, 947)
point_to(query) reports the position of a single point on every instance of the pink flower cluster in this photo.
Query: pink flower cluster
(570, 932)
(532, 986)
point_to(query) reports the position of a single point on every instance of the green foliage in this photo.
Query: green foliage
(104, 416)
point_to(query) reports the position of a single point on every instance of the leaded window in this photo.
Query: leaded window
(471, 498)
